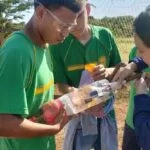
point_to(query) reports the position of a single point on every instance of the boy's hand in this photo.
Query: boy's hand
(100, 72)
(141, 85)
(61, 120)
(124, 72)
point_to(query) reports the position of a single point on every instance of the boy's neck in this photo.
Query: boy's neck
(33, 33)
(85, 36)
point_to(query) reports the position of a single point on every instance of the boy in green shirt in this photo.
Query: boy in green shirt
(87, 44)
(129, 138)
(26, 77)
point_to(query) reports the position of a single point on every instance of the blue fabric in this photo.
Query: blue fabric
(103, 138)
(88, 124)
(109, 106)
(97, 144)
(109, 140)
(140, 63)
(142, 120)
(86, 131)
(89, 141)
(71, 4)
(74, 139)
(83, 142)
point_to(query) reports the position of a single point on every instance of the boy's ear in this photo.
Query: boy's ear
(88, 8)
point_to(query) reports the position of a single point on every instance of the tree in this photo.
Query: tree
(120, 26)
(10, 10)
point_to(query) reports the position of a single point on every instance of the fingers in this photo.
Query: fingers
(147, 80)
(99, 72)
(99, 76)
(99, 69)
(59, 116)
(141, 80)
(143, 75)
(141, 85)
(122, 74)
(116, 77)
(65, 120)
(119, 76)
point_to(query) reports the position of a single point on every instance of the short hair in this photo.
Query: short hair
(73, 5)
(141, 26)
(51, 7)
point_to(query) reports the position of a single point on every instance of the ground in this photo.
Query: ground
(121, 106)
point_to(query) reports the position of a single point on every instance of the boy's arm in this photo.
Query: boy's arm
(18, 127)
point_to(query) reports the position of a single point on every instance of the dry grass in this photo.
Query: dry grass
(125, 45)
(121, 105)
(122, 96)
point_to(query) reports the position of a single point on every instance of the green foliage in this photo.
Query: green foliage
(120, 26)
(10, 10)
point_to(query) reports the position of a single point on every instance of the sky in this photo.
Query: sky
(111, 8)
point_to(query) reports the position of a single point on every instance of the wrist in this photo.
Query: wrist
(132, 67)
(53, 129)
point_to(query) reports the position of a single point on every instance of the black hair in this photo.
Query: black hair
(141, 26)
(51, 7)
(73, 5)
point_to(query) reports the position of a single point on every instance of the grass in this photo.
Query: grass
(122, 96)
(125, 45)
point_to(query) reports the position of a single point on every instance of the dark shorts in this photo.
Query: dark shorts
(129, 139)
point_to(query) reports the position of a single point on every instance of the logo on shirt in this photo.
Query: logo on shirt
(102, 60)
(76, 67)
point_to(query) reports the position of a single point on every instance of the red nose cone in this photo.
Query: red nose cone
(51, 110)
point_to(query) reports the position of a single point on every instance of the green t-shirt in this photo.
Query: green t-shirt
(71, 56)
(26, 83)
(129, 117)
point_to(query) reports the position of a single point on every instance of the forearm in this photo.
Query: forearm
(14, 126)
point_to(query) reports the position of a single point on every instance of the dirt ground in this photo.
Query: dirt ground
(121, 105)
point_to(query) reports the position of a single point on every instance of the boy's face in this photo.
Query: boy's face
(82, 21)
(55, 25)
(143, 50)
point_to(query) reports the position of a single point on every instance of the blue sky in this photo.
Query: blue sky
(111, 8)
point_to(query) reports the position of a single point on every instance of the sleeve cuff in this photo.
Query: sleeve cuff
(140, 63)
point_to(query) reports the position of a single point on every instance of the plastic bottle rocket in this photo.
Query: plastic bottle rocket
(88, 95)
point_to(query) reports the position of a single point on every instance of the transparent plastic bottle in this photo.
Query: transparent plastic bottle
(88, 96)
(77, 101)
